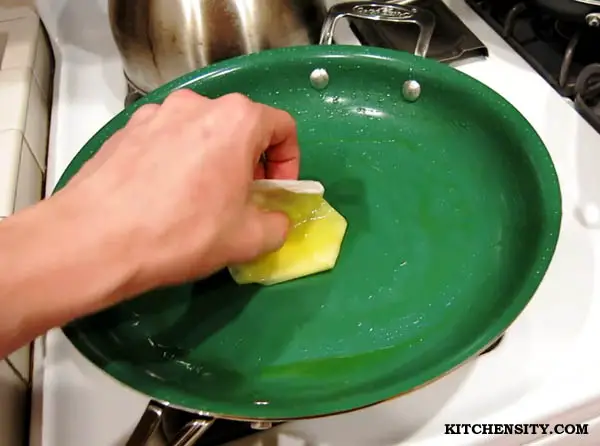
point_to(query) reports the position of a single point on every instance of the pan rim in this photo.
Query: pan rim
(549, 190)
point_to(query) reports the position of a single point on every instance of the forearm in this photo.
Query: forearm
(54, 267)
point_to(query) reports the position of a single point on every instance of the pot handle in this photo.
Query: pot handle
(381, 12)
(150, 420)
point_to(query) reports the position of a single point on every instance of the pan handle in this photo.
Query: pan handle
(150, 420)
(147, 425)
(381, 12)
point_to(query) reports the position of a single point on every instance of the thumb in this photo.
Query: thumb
(259, 233)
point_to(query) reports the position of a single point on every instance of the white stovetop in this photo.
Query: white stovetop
(545, 370)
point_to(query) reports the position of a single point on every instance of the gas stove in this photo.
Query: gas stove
(565, 54)
(541, 371)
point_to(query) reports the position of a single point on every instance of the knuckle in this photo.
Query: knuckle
(292, 122)
(181, 95)
(237, 102)
(145, 110)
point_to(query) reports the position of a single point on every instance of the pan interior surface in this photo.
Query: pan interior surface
(453, 209)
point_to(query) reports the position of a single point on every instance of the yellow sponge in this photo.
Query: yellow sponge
(313, 242)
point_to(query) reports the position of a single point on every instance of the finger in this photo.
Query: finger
(282, 167)
(143, 114)
(259, 233)
(279, 142)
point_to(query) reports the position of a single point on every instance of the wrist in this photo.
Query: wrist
(97, 250)
(63, 261)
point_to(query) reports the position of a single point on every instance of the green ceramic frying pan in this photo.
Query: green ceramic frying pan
(454, 211)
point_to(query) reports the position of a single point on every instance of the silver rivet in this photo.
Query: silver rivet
(593, 19)
(411, 90)
(261, 425)
(319, 78)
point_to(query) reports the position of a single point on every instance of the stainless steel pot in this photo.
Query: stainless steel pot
(160, 40)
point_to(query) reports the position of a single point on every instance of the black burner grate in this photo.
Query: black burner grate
(565, 54)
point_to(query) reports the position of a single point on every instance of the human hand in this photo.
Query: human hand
(170, 191)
